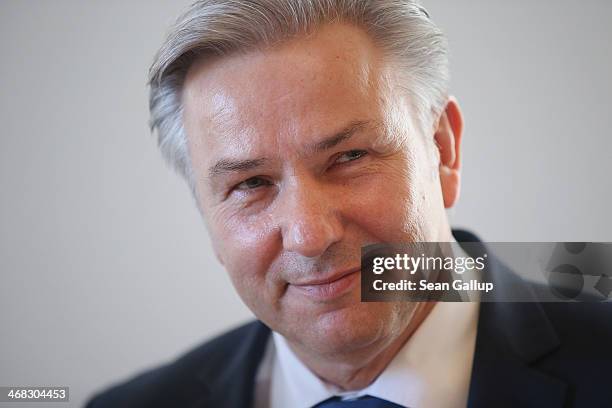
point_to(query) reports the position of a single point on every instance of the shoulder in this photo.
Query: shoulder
(178, 383)
(589, 319)
(582, 359)
(585, 323)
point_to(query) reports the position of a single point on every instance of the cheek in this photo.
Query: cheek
(392, 206)
(247, 247)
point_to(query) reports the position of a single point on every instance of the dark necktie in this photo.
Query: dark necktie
(363, 402)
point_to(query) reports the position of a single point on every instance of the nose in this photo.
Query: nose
(310, 218)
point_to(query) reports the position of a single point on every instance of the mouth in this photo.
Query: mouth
(330, 287)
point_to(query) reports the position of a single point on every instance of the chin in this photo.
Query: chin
(356, 327)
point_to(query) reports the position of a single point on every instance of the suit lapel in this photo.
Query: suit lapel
(511, 337)
(232, 384)
(502, 372)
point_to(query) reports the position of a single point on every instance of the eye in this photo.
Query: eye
(252, 183)
(349, 156)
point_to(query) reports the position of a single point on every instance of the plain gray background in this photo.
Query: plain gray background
(106, 268)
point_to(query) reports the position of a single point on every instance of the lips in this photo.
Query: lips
(328, 287)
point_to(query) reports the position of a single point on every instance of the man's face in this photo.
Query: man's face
(303, 154)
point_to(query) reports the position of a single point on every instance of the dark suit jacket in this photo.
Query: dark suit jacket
(527, 355)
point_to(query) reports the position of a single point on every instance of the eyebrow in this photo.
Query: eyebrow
(235, 166)
(339, 137)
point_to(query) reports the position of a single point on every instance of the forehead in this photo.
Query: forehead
(281, 98)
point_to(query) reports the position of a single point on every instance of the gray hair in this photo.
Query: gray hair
(212, 28)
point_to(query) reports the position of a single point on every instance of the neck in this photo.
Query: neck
(359, 369)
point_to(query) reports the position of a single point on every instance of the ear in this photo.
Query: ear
(448, 139)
